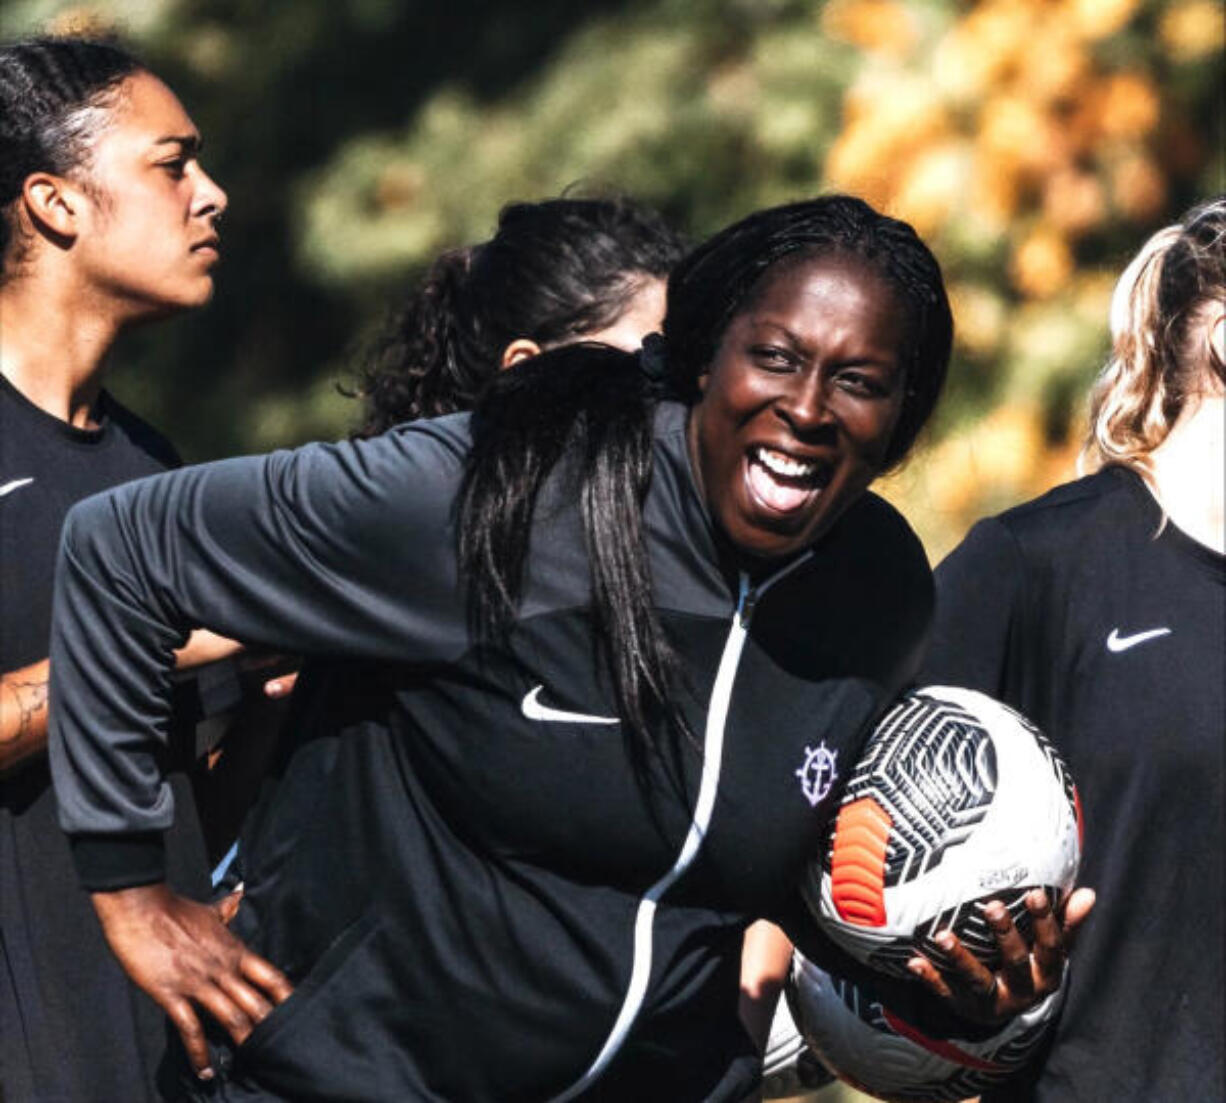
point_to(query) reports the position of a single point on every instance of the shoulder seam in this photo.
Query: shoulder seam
(1063, 496)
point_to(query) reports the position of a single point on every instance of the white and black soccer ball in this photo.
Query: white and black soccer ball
(957, 800)
(897, 1042)
(789, 1065)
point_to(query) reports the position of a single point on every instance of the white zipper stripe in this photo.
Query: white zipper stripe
(712, 751)
(708, 787)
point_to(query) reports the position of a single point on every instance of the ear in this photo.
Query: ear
(52, 204)
(703, 380)
(1217, 341)
(522, 348)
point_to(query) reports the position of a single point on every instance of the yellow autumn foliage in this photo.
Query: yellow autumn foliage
(1138, 188)
(875, 25)
(979, 318)
(981, 51)
(932, 185)
(1042, 263)
(1074, 201)
(1193, 30)
(1054, 64)
(1097, 18)
(1013, 129)
(1128, 106)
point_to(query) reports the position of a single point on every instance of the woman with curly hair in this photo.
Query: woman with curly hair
(555, 272)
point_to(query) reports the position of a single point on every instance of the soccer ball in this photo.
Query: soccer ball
(790, 1067)
(897, 1042)
(956, 801)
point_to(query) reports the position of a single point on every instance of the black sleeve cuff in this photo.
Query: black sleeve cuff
(109, 862)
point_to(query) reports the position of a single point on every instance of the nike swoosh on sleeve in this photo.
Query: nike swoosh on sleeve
(532, 708)
(1116, 642)
(15, 484)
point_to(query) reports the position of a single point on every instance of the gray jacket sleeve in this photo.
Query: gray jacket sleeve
(330, 549)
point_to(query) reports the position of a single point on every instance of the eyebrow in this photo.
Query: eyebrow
(779, 327)
(798, 342)
(189, 143)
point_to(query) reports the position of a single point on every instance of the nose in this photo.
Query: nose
(803, 404)
(211, 200)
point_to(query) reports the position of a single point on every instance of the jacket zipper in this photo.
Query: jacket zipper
(704, 807)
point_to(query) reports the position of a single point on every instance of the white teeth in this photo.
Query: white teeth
(781, 464)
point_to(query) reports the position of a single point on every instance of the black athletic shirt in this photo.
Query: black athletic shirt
(469, 888)
(1108, 628)
(72, 1028)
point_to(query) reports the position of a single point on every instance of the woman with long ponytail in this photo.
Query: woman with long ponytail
(1099, 610)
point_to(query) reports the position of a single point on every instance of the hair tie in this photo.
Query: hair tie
(653, 359)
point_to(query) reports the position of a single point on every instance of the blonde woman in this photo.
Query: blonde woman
(1099, 610)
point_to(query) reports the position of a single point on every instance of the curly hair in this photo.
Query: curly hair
(554, 271)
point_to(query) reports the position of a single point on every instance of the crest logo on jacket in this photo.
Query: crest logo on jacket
(817, 774)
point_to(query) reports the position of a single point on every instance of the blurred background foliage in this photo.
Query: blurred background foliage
(1034, 143)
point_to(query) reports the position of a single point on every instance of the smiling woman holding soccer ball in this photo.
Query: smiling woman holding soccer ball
(614, 637)
(1099, 610)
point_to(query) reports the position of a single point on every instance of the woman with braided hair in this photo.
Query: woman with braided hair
(596, 630)
(107, 221)
(1099, 610)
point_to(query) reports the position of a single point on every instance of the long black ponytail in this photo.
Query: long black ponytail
(591, 403)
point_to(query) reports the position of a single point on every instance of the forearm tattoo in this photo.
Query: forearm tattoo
(30, 696)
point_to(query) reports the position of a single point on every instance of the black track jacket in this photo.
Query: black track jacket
(471, 891)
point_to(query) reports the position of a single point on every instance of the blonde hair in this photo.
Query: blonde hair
(1154, 367)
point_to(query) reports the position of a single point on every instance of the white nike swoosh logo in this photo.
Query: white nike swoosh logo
(1116, 642)
(532, 708)
(16, 484)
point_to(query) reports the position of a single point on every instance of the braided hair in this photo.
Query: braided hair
(553, 271)
(54, 93)
(595, 406)
(718, 279)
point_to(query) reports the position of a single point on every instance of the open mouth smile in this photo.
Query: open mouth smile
(781, 483)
